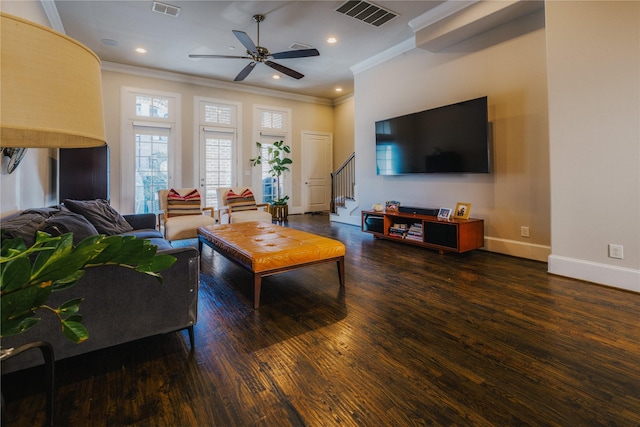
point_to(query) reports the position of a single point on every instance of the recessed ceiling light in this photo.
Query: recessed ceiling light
(332, 40)
(338, 89)
(276, 77)
(141, 50)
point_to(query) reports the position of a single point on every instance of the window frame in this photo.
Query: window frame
(271, 135)
(129, 122)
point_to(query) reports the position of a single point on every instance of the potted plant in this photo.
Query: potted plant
(276, 157)
(52, 264)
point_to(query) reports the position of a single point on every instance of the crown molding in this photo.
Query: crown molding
(53, 16)
(203, 81)
(385, 55)
(434, 15)
(439, 13)
(343, 99)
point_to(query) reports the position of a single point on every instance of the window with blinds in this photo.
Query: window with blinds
(218, 147)
(272, 120)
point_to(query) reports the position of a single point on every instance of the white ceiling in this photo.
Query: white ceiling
(205, 27)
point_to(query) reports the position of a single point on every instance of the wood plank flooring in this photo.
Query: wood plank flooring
(415, 338)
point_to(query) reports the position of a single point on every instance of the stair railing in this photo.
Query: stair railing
(343, 182)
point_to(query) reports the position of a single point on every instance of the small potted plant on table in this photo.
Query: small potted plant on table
(276, 157)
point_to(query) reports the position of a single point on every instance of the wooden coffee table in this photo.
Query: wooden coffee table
(265, 249)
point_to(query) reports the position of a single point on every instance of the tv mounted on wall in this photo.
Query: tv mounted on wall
(449, 139)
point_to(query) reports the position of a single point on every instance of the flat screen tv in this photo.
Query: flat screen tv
(449, 139)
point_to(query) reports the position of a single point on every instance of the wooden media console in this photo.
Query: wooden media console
(453, 235)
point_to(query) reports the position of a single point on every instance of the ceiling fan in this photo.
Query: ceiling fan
(257, 53)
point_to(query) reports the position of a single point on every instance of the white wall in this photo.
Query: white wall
(343, 132)
(594, 108)
(507, 65)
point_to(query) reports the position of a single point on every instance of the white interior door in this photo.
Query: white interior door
(317, 165)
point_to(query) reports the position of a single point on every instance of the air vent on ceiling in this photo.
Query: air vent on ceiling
(299, 46)
(165, 9)
(367, 12)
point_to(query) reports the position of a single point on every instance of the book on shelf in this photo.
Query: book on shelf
(415, 231)
(397, 232)
(407, 231)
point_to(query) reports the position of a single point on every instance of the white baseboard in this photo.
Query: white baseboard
(605, 274)
(518, 249)
(346, 219)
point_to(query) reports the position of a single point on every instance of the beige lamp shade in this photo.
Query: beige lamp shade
(51, 90)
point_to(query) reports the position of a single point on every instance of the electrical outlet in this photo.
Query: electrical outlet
(524, 231)
(615, 251)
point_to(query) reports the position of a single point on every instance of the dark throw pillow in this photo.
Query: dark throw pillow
(23, 225)
(65, 222)
(99, 213)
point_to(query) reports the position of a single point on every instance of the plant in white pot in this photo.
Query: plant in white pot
(278, 161)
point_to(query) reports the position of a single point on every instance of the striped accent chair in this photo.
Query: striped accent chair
(182, 213)
(238, 204)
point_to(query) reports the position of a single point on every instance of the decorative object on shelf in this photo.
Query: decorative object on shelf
(462, 210)
(391, 206)
(53, 264)
(278, 161)
(62, 72)
(378, 207)
(444, 213)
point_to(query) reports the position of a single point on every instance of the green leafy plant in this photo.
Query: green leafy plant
(28, 276)
(278, 161)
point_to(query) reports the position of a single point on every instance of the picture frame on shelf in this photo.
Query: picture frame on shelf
(462, 210)
(444, 213)
(391, 206)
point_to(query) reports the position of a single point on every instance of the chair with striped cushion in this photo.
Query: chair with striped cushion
(238, 204)
(182, 213)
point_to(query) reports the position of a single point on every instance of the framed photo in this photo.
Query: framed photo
(462, 210)
(444, 213)
(391, 206)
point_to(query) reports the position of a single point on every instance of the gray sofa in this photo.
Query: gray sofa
(120, 305)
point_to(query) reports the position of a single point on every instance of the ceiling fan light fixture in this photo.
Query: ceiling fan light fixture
(259, 54)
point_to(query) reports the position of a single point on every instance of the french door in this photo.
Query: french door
(218, 155)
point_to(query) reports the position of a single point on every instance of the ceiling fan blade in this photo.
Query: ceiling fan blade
(219, 56)
(246, 41)
(284, 70)
(301, 53)
(245, 72)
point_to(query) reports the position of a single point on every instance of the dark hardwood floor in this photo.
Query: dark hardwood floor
(415, 338)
